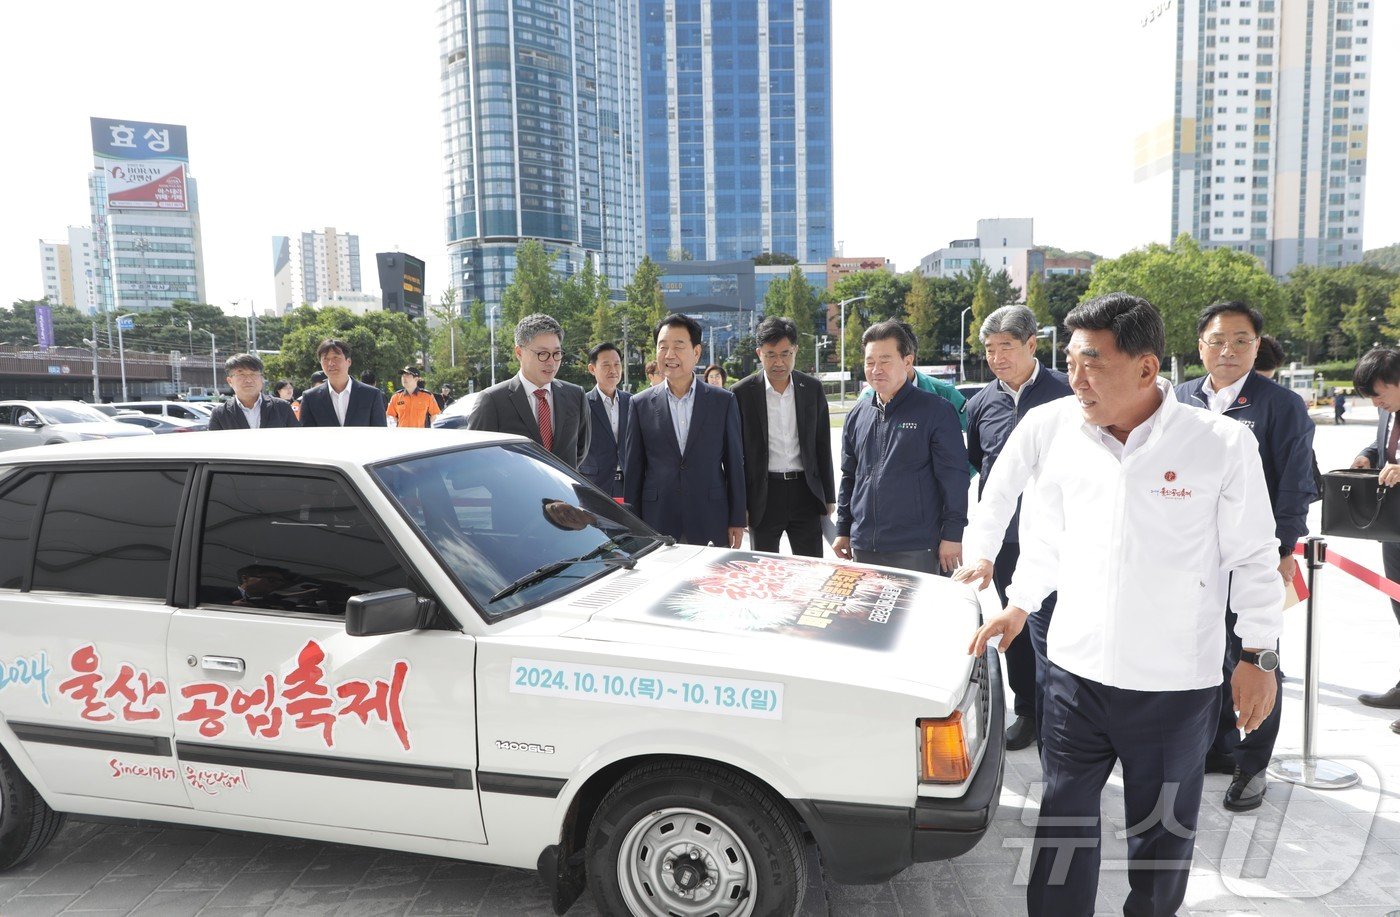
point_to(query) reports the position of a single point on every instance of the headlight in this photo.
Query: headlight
(949, 745)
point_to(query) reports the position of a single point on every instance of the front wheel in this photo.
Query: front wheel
(27, 824)
(691, 839)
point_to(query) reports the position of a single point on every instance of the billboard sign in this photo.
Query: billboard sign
(401, 283)
(43, 326)
(144, 163)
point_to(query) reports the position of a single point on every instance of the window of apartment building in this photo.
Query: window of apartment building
(1260, 216)
(1238, 214)
(1237, 197)
(1237, 231)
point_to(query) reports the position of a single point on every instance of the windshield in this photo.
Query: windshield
(70, 413)
(496, 514)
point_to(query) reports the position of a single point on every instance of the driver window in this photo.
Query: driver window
(290, 543)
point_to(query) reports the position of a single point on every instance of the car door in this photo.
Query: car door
(282, 715)
(85, 576)
(15, 436)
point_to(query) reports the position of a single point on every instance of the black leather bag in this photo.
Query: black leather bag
(1354, 505)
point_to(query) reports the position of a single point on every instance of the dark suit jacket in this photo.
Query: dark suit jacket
(1376, 451)
(604, 452)
(505, 408)
(695, 496)
(366, 409)
(274, 413)
(813, 435)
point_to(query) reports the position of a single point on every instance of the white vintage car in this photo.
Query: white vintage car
(448, 643)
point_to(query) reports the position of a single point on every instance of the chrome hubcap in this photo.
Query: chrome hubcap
(685, 863)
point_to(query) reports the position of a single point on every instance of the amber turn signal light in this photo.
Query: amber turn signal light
(943, 753)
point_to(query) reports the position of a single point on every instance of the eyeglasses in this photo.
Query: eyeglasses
(547, 356)
(1236, 343)
(781, 355)
(245, 376)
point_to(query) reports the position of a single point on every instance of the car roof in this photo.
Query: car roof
(343, 447)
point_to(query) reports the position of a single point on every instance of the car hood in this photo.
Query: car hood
(875, 627)
(108, 428)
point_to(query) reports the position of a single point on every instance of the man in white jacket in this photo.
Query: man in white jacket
(1147, 513)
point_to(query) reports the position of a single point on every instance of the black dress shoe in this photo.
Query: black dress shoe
(1246, 792)
(1389, 700)
(1020, 733)
(1216, 763)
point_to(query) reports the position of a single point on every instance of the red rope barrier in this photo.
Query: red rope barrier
(1352, 568)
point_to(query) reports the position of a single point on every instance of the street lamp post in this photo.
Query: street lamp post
(121, 349)
(213, 362)
(96, 388)
(491, 318)
(1054, 332)
(962, 344)
(843, 304)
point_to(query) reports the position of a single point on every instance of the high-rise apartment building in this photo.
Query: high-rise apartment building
(1270, 136)
(70, 270)
(145, 216)
(541, 114)
(315, 268)
(737, 128)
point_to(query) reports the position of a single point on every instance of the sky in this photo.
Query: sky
(304, 114)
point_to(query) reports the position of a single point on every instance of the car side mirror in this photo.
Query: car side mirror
(393, 611)
(29, 421)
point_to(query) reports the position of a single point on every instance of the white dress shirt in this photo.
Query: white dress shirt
(610, 408)
(254, 414)
(784, 448)
(1144, 550)
(681, 410)
(341, 400)
(530, 389)
(1219, 401)
(1016, 393)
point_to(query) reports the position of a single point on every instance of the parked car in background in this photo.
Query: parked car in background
(453, 644)
(454, 417)
(162, 424)
(111, 410)
(41, 423)
(185, 410)
(968, 389)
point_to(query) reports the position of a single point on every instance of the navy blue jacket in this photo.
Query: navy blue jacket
(904, 474)
(697, 495)
(1279, 421)
(991, 416)
(605, 454)
(366, 409)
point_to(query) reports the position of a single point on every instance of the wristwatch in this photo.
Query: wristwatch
(1265, 659)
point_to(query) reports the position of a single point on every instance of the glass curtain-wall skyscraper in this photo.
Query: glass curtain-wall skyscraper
(1272, 107)
(736, 101)
(542, 117)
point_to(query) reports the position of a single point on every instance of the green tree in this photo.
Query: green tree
(1003, 291)
(533, 285)
(922, 313)
(984, 303)
(381, 342)
(765, 258)
(644, 304)
(1392, 315)
(1062, 293)
(1183, 279)
(884, 292)
(794, 297)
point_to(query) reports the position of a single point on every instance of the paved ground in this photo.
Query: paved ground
(1304, 853)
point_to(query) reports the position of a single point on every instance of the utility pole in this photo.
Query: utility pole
(253, 323)
(96, 387)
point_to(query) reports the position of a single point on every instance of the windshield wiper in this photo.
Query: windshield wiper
(626, 561)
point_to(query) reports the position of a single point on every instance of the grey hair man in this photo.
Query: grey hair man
(534, 402)
(992, 542)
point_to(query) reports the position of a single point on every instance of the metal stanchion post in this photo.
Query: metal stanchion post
(1308, 769)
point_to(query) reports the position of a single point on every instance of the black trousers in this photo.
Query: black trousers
(791, 508)
(1025, 659)
(925, 561)
(1252, 753)
(1161, 738)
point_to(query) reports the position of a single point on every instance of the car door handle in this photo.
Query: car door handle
(222, 664)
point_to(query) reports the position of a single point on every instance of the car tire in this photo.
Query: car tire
(694, 837)
(27, 824)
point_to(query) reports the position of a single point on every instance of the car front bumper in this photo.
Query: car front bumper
(863, 844)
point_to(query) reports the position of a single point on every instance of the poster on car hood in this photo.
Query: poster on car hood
(744, 592)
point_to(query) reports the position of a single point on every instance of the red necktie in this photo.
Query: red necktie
(1394, 439)
(546, 424)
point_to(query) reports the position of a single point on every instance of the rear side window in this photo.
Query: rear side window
(109, 532)
(17, 510)
(290, 543)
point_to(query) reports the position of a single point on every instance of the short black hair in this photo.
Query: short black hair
(1270, 356)
(1136, 324)
(775, 329)
(318, 377)
(281, 384)
(368, 377)
(243, 361)
(599, 349)
(681, 320)
(1256, 318)
(889, 330)
(908, 330)
(1381, 364)
(330, 344)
